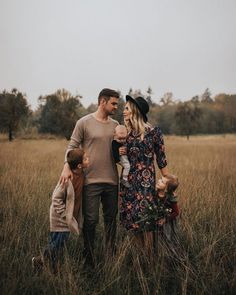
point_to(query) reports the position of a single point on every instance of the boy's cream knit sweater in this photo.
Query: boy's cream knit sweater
(66, 206)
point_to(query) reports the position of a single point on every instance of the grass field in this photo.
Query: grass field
(206, 167)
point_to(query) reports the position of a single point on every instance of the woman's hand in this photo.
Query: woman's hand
(66, 174)
(161, 221)
(122, 151)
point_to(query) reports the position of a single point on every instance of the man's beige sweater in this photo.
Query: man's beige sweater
(95, 138)
(66, 206)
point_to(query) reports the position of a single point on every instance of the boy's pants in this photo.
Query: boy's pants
(57, 241)
(93, 194)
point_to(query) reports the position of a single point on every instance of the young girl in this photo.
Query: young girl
(65, 211)
(167, 202)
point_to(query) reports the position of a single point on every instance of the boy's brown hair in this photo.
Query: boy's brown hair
(75, 157)
(106, 94)
(172, 183)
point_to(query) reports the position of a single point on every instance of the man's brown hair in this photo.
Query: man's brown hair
(75, 157)
(106, 94)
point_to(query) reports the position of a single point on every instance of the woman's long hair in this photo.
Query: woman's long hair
(136, 122)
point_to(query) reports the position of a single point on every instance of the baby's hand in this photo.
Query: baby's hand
(122, 151)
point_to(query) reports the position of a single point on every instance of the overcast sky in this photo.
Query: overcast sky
(182, 46)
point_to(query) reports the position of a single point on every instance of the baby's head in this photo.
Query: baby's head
(167, 184)
(120, 133)
(77, 158)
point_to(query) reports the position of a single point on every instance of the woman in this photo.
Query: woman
(143, 143)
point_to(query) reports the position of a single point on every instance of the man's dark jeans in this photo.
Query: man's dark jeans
(93, 194)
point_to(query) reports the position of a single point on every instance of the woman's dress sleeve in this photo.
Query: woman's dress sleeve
(159, 148)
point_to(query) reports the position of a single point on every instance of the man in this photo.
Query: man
(94, 133)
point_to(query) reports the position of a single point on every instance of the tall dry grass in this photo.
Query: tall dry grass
(206, 260)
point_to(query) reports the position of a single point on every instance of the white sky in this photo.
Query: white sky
(182, 46)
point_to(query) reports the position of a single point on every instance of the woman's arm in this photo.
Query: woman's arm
(159, 149)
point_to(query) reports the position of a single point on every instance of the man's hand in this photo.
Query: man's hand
(122, 151)
(66, 174)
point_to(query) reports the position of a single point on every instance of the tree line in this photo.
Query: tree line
(58, 112)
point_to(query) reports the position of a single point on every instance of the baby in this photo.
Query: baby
(119, 141)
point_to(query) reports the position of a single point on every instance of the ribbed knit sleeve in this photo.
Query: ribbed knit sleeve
(77, 137)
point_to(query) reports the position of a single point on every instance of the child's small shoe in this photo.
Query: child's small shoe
(125, 183)
(37, 264)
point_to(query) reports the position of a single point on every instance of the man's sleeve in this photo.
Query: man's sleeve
(77, 137)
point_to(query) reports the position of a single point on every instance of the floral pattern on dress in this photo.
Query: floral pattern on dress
(142, 178)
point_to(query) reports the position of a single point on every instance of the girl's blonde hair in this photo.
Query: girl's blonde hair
(136, 122)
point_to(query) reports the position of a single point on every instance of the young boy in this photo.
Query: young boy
(65, 211)
(119, 141)
(167, 200)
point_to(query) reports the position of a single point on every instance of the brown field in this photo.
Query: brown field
(206, 168)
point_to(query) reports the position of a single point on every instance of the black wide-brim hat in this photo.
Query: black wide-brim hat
(141, 104)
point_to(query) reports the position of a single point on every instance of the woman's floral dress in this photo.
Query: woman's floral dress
(142, 179)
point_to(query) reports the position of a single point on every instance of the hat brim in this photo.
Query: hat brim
(129, 98)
